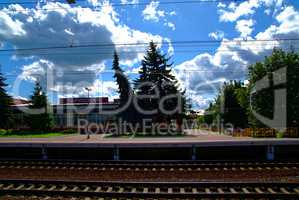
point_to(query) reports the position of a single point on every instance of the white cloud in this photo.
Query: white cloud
(170, 25)
(152, 13)
(232, 11)
(217, 35)
(129, 1)
(70, 26)
(204, 74)
(245, 27)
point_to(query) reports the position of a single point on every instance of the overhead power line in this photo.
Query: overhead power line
(112, 4)
(126, 4)
(143, 44)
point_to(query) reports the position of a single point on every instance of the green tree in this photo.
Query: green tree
(71, 1)
(156, 79)
(263, 101)
(227, 107)
(233, 111)
(124, 90)
(42, 120)
(5, 103)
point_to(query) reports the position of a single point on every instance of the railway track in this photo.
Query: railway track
(150, 166)
(146, 190)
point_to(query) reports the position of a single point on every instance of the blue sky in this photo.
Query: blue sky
(240, 33)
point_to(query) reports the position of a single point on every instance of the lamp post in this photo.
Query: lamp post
(88, 90)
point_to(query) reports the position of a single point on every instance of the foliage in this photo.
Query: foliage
(41, 121)
(5, 103)
(263, 102)
(227, 107)
(71, 1)
(159, 84)
(124, 90)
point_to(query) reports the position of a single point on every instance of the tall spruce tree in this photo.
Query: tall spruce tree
(5, 103)
(39, 121)
(156, 72)
(124, 90)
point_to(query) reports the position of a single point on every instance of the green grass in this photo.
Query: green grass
(33, 135)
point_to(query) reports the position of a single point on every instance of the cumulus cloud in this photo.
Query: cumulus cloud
(245, 27)
(151, 12)
(80, 39)
(232, 11)
(203, 75)
(217, 35)
(154, 14)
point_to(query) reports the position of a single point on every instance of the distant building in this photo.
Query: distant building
(69, 111)
(18, 102)
(94, 110)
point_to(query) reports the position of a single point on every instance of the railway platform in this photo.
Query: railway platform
(204, 146)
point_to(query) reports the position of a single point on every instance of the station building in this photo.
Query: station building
(69, 111)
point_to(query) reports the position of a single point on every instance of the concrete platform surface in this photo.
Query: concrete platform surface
(193, 138)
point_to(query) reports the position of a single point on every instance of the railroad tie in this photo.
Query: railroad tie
(245, 190)
(284, 190)
(271, 191)
(145, 190)
(52, 188)
(98, 189)
(41, 187)
(208, 191)
(258, 190)
(74, 188)
(157, 190)
(121, 190)
(220, 191)
(133, 190)
(63, 188)
(20, 187)
(194, 190)
(110, 189)
(86, 189)
(296, 190)
(232, 190)
(182, 190)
